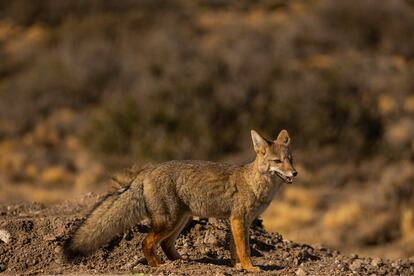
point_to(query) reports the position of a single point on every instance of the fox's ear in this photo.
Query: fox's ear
(259, 142)
(283, 137)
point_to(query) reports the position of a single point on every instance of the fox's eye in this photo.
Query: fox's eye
(277, 161)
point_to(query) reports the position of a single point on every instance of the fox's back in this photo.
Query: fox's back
(205, 188)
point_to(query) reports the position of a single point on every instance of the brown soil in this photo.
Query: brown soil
(38, 233)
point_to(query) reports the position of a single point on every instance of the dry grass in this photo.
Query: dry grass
(342, 216)
(407, 225)
(294, 211)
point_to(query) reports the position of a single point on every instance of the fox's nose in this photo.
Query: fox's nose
(295, 173)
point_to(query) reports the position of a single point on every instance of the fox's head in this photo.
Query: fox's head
(274, 157)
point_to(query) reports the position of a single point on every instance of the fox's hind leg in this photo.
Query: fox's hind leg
(151, 241)
(148, 247)
(160, 231)
(168, 245)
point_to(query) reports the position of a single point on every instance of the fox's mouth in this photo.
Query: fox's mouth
(287, 179)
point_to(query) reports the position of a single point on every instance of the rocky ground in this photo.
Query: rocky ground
(87, 88)
(32, 236)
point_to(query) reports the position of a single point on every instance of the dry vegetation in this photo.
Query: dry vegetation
(90, 86)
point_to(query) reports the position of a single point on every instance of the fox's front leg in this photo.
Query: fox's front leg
(235, 261)
(234, 258)
(239, 230)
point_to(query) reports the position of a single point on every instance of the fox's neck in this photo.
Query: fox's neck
(263, 185)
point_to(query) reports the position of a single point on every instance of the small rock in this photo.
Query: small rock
(291, 245)
(27, 226)
(5, 236)
(131, 264)
(319, 246)
(197, 227)
(26, 241)
(301, 272)
(336, 253)
(376, 262)
(49, 237)
(356, 265)
(354, 256)
(33, 262)
(210, 239)
(2, 267)
(58, 249)
(396, 265)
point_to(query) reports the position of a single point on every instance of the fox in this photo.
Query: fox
(169, 194)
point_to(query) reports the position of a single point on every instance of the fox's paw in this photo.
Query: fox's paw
(165, 265)
(249, 268)
(154, 262)
(173, 255)
(253, 268)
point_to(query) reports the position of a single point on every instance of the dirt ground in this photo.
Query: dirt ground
(37, 233)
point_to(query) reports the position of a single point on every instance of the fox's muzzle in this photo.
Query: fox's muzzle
(286, 178)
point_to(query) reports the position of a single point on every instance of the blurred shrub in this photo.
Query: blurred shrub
(369, 25)
(54, 12)
(183, 122)
(180, 80)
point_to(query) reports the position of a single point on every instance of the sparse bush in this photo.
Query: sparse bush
(368, 24)
(169, 84)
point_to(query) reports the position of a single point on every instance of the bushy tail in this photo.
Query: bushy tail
(113, 215)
